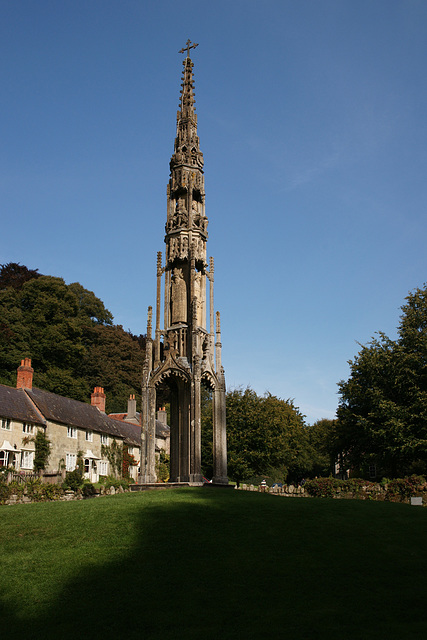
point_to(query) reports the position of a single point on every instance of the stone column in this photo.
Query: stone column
(157, 332)
(211, 299)
(174, 443)
(196, 437)
(166, 316)
(148, 412)
(151, 436)
(184, 431)
(219, 437)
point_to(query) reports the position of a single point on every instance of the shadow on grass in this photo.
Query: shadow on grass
(227, 565)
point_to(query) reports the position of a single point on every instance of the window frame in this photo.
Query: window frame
(70, 461)
(6, 424)
(72, 432)
(103, 465)
(27, 459)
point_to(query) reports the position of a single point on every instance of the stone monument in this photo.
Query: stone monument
(184, 354)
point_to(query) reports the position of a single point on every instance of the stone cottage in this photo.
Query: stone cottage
(133, 417)
(72, 427)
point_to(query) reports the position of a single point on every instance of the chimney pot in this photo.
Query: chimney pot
(131, 413)
(97, 399)
(24, 378)
(162, 415)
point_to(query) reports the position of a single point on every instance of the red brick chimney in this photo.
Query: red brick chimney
(97, 399)
(24, 378)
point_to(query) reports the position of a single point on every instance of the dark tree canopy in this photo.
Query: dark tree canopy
(383, 407)
(69, 336)
(323, 447)
(15, 275)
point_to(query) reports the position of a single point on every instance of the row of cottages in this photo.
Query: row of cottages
(71, 427)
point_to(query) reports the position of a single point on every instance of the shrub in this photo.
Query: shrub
(73, 480)
(111, 481)
(162, 467)
(51, 491)
(5, 492)
(16, 488)
(88, 490)
(34, 490)
(405, 487)
(323, 487)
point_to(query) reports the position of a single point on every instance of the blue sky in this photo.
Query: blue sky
(312, 121)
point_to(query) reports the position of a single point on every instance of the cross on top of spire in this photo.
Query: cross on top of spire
(188, 47)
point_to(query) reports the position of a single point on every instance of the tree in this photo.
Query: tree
(324, 449)
(382, 415)
(265, 436)
(69, 335)
(15, 275)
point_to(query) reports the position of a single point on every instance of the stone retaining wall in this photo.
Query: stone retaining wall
(284, 490)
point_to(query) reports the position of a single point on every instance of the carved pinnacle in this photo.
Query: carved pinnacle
(149, 321)
(218, 322)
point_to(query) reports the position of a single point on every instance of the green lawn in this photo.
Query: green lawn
(205, 563)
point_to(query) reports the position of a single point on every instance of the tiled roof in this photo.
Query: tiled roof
(15, 404)
(36, 406)
(72, 412)
(130, 432)
(162, 430)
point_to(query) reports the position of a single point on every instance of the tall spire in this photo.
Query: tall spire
(186, 357)
(187, 145)
(186, 224)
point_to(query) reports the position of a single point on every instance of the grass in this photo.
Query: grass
(206, 563)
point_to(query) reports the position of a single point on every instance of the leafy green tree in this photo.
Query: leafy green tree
(382, 416)
(265, 436)
(323, 447)
(70, 337)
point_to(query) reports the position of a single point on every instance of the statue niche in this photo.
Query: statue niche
(199, 295)
(179, 297)
(179, 217)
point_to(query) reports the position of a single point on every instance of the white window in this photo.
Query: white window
(103, 468)
(89, 436)
(104, 438)
(27, 427)
(3, 458)
(5, 423)
(27, 459)
(70, 461)
(130, 451)
(71, 432)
